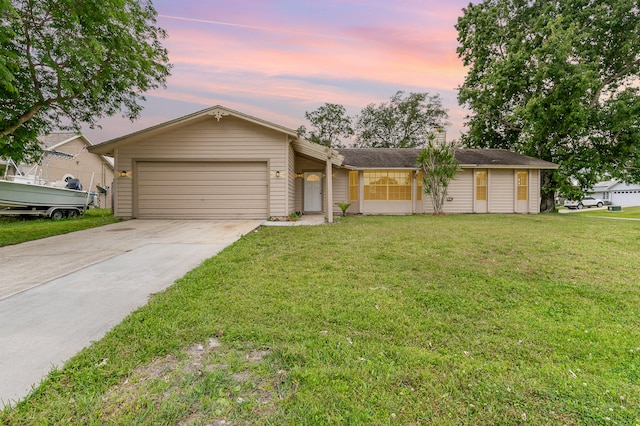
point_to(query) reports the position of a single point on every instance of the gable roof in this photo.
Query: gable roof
(604, 186)
(613, 185)
(54, 140)
(309, 149)
(405, 158)
(622, 186)
(216, 112)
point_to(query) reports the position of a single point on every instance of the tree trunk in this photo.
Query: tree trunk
(547, 202)
(547, 197)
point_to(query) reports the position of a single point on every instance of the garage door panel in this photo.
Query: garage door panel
(180, 199)
(202, 185)
(191, 191)
(205, 176)
(201, 190)
(206, 188)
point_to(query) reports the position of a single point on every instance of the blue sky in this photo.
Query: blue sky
(277, 59)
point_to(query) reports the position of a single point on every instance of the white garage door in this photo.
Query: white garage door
(626, 198)
(201, 190)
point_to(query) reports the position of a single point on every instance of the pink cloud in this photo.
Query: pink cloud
(277, 59)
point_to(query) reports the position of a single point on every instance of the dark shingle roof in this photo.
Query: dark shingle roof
(405, 158)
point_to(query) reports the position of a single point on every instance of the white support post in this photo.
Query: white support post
(329, 181)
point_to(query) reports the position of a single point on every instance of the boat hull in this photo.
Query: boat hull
(21, 195)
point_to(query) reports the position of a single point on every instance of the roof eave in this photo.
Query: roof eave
(510, 166)
(462, 166)
(317, 151)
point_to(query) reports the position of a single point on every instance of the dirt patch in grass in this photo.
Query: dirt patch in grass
(206, 383)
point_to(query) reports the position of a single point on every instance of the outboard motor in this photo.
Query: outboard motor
(74, 184)
(94, 199)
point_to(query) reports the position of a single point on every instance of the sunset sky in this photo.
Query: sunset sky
(276, 59)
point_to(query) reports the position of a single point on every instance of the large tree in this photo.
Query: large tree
(330, 123)
(403, 122)
(69, 62)
(555, 79)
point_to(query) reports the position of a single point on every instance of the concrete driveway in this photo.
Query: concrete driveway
(59, 294)
(586, 209)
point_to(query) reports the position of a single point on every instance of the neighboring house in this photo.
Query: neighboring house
(617, 193)
(79, 163)
(223, 164)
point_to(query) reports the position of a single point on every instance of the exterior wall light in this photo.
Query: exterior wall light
(277, 173)
(123, 173)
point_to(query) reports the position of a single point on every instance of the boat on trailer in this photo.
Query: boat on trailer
(31, 195)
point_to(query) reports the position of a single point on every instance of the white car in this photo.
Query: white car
(585, 202)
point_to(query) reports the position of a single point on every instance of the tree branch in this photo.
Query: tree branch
(21, 120)
(625, 70)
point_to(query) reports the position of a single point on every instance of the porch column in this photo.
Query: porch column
(329, 190)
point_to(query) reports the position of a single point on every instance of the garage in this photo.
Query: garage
(201, 190)
(625, 198)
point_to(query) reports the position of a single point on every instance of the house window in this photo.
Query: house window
(353, 185)
(523, 186)
(419, 187)
(387, 185)
(481, 186)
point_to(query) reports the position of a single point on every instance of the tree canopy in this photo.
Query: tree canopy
(558, 80)
(68, 62)
(403, 122)
(330, 124)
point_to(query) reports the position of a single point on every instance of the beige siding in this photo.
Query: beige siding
(534, 191)
(501, 191)
(340, 188)
(230, 139)
(459, 195)
(461, 192)
(386, 207)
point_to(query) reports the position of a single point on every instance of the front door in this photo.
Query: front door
(313, 191)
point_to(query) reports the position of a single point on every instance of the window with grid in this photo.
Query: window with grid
(353, 185)
(419, 187)
(387, 185)
(481, 186)
(523, 186)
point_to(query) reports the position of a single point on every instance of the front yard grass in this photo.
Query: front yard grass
(15, 230)
(626, 213)
(466, 319)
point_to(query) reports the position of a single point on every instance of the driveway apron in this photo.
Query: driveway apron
(59, 294)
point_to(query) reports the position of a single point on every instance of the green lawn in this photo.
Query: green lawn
(626, 213)
(15, 230)
(465, 319)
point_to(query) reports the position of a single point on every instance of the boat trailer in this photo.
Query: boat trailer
(55, 212)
